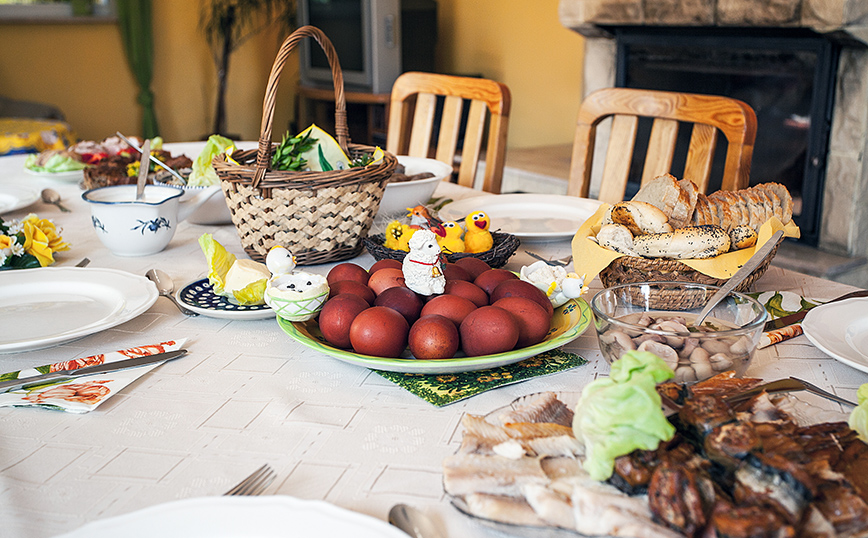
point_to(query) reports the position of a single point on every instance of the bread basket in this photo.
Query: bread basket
(319, 216)
(631, 269)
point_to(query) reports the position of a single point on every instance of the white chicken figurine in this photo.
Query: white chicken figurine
(423, 267)
(557, 284)
(293, 295)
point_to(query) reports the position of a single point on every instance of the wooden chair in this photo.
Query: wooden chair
(411, 126)
(709, 114)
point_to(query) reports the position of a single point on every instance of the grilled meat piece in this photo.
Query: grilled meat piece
(776, 482)
(681, 497)
(730, 443)
(724, 384)
(749, 521)
(701, 414)
(842, 507)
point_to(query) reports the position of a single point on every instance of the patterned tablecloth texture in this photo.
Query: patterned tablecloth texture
(247, 394)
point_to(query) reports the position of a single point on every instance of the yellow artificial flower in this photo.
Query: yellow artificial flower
(55, 242)
(36, 244)
(6, 242)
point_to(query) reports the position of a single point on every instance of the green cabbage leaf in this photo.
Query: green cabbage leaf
(859, 416)
(203, 174)
(623, 412)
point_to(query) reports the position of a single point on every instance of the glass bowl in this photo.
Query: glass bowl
(657, 317)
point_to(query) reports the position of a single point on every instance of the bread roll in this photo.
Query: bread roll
(706, 241)
(616, 237)
(640, 217)
(742, 237)
(664, 193)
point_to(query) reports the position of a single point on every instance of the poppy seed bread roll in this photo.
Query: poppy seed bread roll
(640, 218)
(691, 242)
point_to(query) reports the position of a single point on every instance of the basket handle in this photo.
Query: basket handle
(263, 155)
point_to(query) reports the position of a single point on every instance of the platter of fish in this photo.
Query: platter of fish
(774, 465)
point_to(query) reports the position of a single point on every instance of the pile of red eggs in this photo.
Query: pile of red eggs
(483, 311)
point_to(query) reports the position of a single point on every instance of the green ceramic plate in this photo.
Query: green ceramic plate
(568, 323)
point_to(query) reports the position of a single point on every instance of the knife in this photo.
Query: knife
(155, 160)
(63, 375)
(799, 316)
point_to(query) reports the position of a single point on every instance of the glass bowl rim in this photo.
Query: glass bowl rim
(751, 326)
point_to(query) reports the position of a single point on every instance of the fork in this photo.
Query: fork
(255, 483)
(562, 262)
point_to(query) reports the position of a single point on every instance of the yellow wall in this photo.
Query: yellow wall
(81, 68)
(522, 44)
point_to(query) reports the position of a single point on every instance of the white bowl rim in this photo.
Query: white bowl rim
(86, 195)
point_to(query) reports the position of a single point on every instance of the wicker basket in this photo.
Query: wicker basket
(505, 246)
(319, 216)
(630, 270)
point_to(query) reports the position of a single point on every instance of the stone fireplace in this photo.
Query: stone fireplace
(842, 224)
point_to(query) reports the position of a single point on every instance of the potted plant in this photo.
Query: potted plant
(229, 23)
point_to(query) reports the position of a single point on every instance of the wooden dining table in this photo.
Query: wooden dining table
(248, 394)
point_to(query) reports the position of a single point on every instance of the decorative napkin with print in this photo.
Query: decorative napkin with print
(444, 389)
(82, 394)
(779, 304)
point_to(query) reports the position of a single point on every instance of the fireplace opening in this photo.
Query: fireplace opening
(787, 77)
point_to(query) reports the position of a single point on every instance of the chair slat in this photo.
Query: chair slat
(661, 149)
(423, 122)
(450, 125)
(700, 155)
(472, 144)
(617, 168)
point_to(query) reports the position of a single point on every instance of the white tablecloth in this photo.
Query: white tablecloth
(247, 394)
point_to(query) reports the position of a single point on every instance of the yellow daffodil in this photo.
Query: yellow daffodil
(6, 242)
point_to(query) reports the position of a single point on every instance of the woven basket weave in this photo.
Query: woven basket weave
(319, 216)
(504, 246)
(630, 270)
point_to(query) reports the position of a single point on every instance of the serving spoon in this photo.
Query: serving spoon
(166, 286)
(739, 276)
(51, 196)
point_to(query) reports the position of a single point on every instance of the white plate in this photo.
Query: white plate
(73, 176)
(826, 328)
(200, 298)
(50, 305)
(530, 217)
(13, 197)
(268, 516)
(857, 336)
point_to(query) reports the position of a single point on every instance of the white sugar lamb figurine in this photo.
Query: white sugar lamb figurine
(423, 268)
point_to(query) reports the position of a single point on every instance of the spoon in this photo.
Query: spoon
(736, 279)
(166, 286)
(51, 196)
(413, 522)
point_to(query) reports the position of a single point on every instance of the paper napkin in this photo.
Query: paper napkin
(82, 394)
(444, 389)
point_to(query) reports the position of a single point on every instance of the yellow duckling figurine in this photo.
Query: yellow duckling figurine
(398, 236)
(477, 238)
(452, 242)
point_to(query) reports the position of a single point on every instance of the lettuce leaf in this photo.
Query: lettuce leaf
(55, 164)
(251, 294)
(859, 416)
(203, 173)
(219, 262)
(623, 412)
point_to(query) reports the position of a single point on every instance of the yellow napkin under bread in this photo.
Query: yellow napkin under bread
(589, 258)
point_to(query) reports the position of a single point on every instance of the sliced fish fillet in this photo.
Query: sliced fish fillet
(473, 473)
(545, 408)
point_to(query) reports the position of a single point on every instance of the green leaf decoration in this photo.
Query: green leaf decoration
(323, 162)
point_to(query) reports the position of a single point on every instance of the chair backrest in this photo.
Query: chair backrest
(709, 115)
(411, 125)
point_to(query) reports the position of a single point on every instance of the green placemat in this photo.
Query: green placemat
(444, 389)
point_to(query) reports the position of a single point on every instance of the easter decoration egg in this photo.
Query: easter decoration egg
(293, 295)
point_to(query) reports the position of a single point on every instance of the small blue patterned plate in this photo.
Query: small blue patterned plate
(199, 297)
